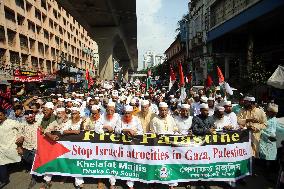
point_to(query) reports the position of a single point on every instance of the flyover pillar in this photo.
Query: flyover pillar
(106, 63)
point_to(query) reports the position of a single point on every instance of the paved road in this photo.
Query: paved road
(19, 179)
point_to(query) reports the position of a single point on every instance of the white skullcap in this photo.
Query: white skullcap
(185, 106)
(61, 99)
(211, 99)
(115, 93)
(203, 106)
(128, 108)
(52, 94)
(88, 99)
(75, 109)
(97, 98)
(220, 108)
(73, 93)
(111, 104)
(16, 99)
(68, 100)
(272, 107)
(204, 99)
(133, 101)
(101, 95)
(78, 100)
(227, 103)
(95, 107)
(49, 105)
(173, 100)
(123, 98)
(145, 103)
(60, 110)
(172, 96)
(218, 96)
(163, 105)
(59, 95)
(250, 99)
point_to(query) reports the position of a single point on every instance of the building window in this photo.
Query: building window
(32, 45)
(54, 13)
(46, 36)
(57, 40)
(40, 49)
(31, 26)
(9, 14)
(43, 4)
(29, 6)
(20, 19)
(38, 29)
(2, 35)
(23, 42)
(37, 14)
(34, 63)
(50, 23)
(20, 3)
(11, 38)
(14, 58)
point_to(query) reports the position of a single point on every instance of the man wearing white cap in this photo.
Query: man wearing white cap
(73, 126)
(202, 124)
(184, 121)
(252, 118)
(48, 116)
(57, 125)
(94, 119)
(163, 124)
(267, 145)
(211, 105)
(145, 116)
(231, 115)
(221, 122)
(110, 119)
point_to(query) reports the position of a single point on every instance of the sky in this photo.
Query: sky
(157, 23)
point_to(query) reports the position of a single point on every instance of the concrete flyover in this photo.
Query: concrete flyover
(113, 25)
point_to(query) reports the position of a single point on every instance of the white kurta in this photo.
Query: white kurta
(233, 120)
(211, 111)
(163, 125)
(113, 123)
(195, 108)
(10, 130)
(135, 125)
(72, 126)
(221, 123)
(183, 124)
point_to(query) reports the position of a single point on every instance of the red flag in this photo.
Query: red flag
(149, 73)
(87, 75)
(181, 76)
(172, 74)
(220, 75)
(209, 81)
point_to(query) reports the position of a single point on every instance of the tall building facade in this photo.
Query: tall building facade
(38, 35)
(151, 59)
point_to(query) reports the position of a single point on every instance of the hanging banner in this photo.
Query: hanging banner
(27, 79)
(149, 158)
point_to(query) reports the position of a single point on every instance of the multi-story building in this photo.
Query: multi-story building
(39, 35)
(151, 59)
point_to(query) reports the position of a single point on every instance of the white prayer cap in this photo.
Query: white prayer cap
(59, 94)
(272, 107)
(220, 108)
(97, 98)
(88, 99)
(172, 96)
(81, 95)
(145, 103)
(128, 108)
(49, 105)
(203, 99)
(227, 103)
(101, 95)
(133, 101)
(75, 109)
(78, 100)
(173, 100)
(218, 96)
(185, 106)
(95, 107)
(16, 99)
(122, 98)
(250, 99)
(163, 105)
(211, 99)
(68, 100)
(111, 104)
(115, 93)
(52, 94)
(60, 110)
(73, 93)
(203, 106)
(61, 99)
(122, 89)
